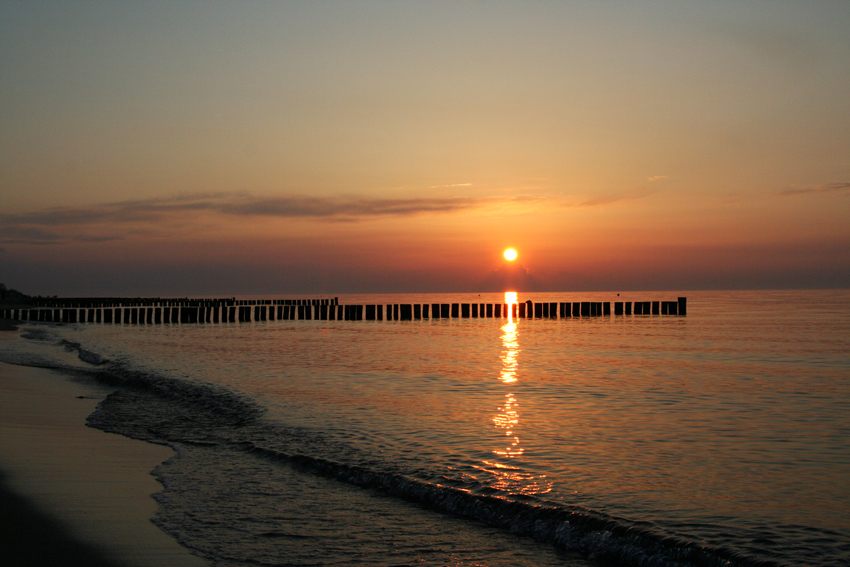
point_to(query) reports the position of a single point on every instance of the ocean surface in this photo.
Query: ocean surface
(717, 438)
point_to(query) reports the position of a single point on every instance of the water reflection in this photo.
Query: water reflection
(508, 417)
(507, 476)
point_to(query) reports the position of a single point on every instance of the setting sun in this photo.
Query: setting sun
(510, 254)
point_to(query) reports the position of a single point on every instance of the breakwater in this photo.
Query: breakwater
(158, 311)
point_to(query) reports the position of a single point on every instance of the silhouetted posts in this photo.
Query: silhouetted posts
(405, 312)
(455, 310)
(464, 310)
(606, 308)
(417, 311)
(683, 306)
(656, 310)
(426, 311)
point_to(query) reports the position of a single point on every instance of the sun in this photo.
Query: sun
(510, 254)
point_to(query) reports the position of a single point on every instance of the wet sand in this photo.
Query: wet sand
(68, 490)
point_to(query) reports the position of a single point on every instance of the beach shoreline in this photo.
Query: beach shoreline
(71, 490)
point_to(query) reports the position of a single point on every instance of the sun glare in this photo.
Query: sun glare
(510, 254)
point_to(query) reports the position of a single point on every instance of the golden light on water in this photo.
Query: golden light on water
(509, 477)
(510, 254)
(510, 349)
(508, 417)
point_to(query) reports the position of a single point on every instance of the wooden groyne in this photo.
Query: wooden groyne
(159, 311)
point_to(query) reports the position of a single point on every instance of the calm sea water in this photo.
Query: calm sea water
(719, 438)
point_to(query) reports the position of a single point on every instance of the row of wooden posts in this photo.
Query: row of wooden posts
(89, 302)
(330, 310)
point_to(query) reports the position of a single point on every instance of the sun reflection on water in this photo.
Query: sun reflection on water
(509, 477)
(508, 418)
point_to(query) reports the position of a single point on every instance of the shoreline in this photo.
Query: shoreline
(66, 489)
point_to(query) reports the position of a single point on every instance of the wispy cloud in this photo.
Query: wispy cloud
(451, 185)
(656, 177)
(840, 188)
(610, 199)
(112, 221)
(165, 217)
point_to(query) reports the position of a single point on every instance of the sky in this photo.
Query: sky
(265, 148)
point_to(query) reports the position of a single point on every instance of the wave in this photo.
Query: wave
(172, 411)
(597, 536)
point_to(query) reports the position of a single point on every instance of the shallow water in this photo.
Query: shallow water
(722, 437)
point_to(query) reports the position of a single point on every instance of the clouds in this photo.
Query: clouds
(829, 188)
(119, 220)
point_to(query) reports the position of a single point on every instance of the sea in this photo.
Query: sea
(718, 438)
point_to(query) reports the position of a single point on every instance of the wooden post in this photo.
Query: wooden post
(455, 310)
(628, 306)
(435, 310)
(522, 307)
(585, 309)
(606, 308)
(380, 312)
(417, 311)
(464, 310)
(475, 310)
(370, 312)
(405, 312)
(656, 310)
(497, 310)
(683, 306)
(618, 308)
(489, 310)
(576, 309)
(426, 310)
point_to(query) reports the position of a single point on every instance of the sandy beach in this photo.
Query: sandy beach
(70, 494)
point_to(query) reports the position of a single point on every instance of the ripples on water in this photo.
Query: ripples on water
(727, 429)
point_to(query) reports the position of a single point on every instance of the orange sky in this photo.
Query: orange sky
(248, 148)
